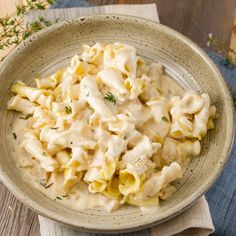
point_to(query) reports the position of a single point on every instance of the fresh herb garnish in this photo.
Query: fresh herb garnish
(109, 97)
(219, 47)
(13, 31)
(25, 117)
(165, 119)
(68, 110)
(90, 108)
(65, 195)
(54, 127)
(43, 183)
(58, 198)
(14, 135)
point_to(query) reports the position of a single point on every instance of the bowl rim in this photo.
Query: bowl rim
(41, 210)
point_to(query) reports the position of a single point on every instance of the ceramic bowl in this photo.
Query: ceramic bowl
(53, 48)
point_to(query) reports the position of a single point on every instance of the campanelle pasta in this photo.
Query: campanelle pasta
(110, 126)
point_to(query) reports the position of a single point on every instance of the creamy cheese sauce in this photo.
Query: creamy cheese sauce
(79, 197)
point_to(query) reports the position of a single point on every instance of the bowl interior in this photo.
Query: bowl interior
(52, 48)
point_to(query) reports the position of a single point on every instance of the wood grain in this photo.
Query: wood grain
(193, 18)
(15, 218)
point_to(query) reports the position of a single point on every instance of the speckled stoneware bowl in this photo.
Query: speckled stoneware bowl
(52, 48)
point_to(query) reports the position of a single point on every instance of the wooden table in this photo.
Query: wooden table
(193, 18)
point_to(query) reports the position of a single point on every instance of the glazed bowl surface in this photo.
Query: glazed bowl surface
(52, 48)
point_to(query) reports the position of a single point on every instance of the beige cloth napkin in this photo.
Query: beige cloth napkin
(194, 221)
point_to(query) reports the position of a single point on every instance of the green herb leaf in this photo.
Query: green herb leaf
(234, 100)
(54, 127)
(65, 195)
(40, 6)
(68, 110)
(25, 117)
(165, 119)
(58, 198)
(14, 135)
(90, 108)
(20, 10)
(43, 183)
(109, 97)
(50, 1)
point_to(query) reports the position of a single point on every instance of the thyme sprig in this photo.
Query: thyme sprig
(44, 184)
(12, 30)
(110, 97)
(68, 109)
(218, 46)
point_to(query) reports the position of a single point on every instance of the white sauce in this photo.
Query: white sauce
(79, 197)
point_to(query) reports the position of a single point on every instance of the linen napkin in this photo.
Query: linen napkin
(194, 221)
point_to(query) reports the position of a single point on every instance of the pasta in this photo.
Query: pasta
(111, 126)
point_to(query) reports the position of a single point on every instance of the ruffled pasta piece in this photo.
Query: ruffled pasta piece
(201, 121)
(45, 100)
(42, 118)
(157, 128)
(108, 169)
(71, 177)
(93, 54)
(129, 182)
(24, 91)
(42, 97)
(141, 67)
(157, 74)
(89, 92)
(53, 149)
(66, 138)
(112, 190)
(35, 148)
(50, 82)
(68, 110)
(154, 184)
(137, 113)
(115, 146)
(79, 160)
(20, 104)
(190, 115)
(174, 150)
(101, 167)
(93, 174)
(97, 186)
(63, 158)
(143, 149)
(121, 57)
(80, 67)
(113, 79)
(122, 126)
(134, 86)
